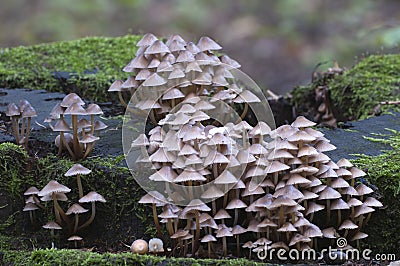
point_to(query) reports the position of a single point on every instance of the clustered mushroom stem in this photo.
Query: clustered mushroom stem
(60, 147)
(246, 108)
(15, 126)
(235, 220)
(77, 148)
(23, 128)
(91, 218)
(169, 227)
(197, 235)
(328, 210)
(73, 156)
(280, 215)
(60, 211)
(28, 131)
(237, 246)
(76, 223)
(155, 217)
(339, 217)
(37, 203)
(79, 181)
(224, 246)
(209, 249)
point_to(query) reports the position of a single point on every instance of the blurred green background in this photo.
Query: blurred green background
(278, 43)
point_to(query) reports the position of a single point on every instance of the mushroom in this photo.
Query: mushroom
(91, 197)
(78, 170)
(155, 198)
(27, 112)
(156, 245)
(224, 232)
(52, 226)
(74, 110)
(140, 247)
(51, 189)
(13, 112)
(76, 239)
(208, 239)
(237, 230)
(30, 207)
(92, 110)
(33, 191)
(249, 245)
(76, 209)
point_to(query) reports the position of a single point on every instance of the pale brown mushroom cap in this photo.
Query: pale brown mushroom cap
(344, 163)
(235, 204)
(74, 238)
(189, 175)
(31, 191)
(12, 110)
(359, 235)
(98, 125)
(166, 174)
(88, 138)
(347, 224)
(301, 121)
(262, 241)
(314, 207)
(116, 86)
(154, 80)
(59, 197)
(157, 47)
(28, 111)
(312, 231)
(329, 193)
(75, 109)
(70, 99)
(196, 204)
(363, 190)
(147, 40)
(77, 169)
(53, 187)
(362, 209)
(208, 238)
(287, 227)
(206, 43)
(212, 193)
(339, 204)
(357, 172)
(92, 197)
(330, 232)
(75, 209)
(372, 202)
(299, 238)
(52, 225)
(94, 109)
(223, 232)
(222, 214)
(30, 207)
(289, 191)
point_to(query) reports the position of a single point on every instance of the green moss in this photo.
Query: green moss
(34, 66)
(360, 89)
(77, 257)
(384, 172)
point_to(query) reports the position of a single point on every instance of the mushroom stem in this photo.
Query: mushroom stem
(92, 124)
(15, 127)
(224, 246)
(31, 216)
(155, 217)
(76, 223)
(190, 189)
(77, 148)
(360, 224)
(60, 147)
(91, 218)
(236, 217)
(28, 131)
(368, 217)
(237, 246)
(68, 148)
(209, 249)
(37, 203)
(339, 217)
(169, 227)
(121, 99)
(214, 206)
(60, 211)
(328, 210)
(197, 235)
(280, 216)
(80, 189)
(23, 128)
(246, 108)
(345, 233)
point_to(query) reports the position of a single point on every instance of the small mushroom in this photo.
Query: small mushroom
(156, 245)
(52, 226)
(76, 239)
(140, 247)
(91, 197)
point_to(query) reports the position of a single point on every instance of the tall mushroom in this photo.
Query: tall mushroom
(91, 197)
(78, 170)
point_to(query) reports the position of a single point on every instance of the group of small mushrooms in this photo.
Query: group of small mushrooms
(222, 183)
(55, 192)
(21, 116)
(80, 135)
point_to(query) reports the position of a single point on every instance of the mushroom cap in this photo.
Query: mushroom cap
(287, 227)
(31, 191)
(363, 190)
(53, 187)
(88, 138)
(246, 97)
(156, 245)
(92, 197)
(248, 244)
(71, 99)
(154, 80)
(153, 197)
(208, 238)
(28, 111)
(75, 109)
(289, 191)
(147, 40)
(77, 169)
(330, 232)
(348, 224)
(206, 44)
(196, 204)
(157, 47)
(52, 225)
(116, 86)
(359, 235)
(357, 172)
(166, 174)
(98, 125)
(139, 246)
(329, 193)
(59, 197)
(61, 126)
(339, 204)
(180, 233)
(262, 241)
(344, 163)
(74, 238)
(94, 109)
(237, 230)
(229, 61)
(301, 121)
(362, 209)
(282, 201)
(212, 193)
(30, 207)
(189, 175)
(12, 110)
(76, 209)
(372, 202)
(222, 214)
(223, 232)
(235, 204)
(312, 231)
(314, 207)
(298, 238)
(140, 141)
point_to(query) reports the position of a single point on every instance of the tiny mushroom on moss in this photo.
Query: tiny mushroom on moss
(91, 197)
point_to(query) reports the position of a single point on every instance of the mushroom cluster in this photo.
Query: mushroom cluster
(228, 181)
(85, 133)
(168, 73)
(21, 116)
(56, 193)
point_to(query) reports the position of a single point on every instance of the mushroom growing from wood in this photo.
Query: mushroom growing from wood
(91, 197)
